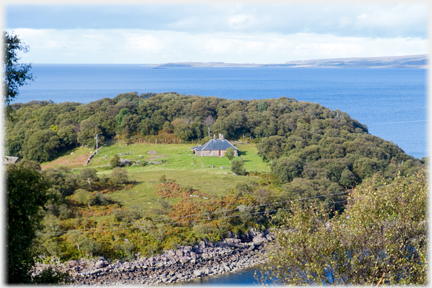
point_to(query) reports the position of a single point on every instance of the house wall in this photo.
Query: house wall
(213, 153)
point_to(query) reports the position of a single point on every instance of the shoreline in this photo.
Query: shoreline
(181, 266)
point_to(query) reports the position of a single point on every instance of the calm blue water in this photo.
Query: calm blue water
(391, 102)
(244, 277)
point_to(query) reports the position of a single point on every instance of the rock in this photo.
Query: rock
(270, 237)
(188, 248)
(197, 273)
(101, 264)
(170, 253)
(72, 264)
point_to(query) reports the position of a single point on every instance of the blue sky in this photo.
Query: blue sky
(235, 33)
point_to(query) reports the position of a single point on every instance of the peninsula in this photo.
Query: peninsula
(411, 61)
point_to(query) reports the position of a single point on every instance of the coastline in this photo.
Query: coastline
(183, 265)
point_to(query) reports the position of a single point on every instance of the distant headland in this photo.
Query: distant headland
(411, 61)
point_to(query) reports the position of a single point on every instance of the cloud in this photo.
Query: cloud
(134, 46)
(358, 20)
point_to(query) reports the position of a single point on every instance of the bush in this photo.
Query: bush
(115, 161)
(381, 237)
(230, 153)
(237, 167)
(119, 176)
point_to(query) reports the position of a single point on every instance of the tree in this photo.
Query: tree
(119, 176)
(209, 121)
(347, 179)
(88, 175)
(15, 74)
(121, 114)
(82, 196)
(183, 131)
(115, 161)
(26, 197)
(88, 131)
(287, 169)
(262, 106)
(230, 153)
(380, 238)
(42, 146)
(237, 167)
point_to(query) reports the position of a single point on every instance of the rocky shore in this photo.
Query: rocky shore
(174, 266)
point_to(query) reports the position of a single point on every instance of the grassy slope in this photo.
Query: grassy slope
(179, 165)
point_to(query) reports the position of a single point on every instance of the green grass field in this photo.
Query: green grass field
(180, 165)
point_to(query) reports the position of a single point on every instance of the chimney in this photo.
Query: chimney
(222, 137)
(214, 136)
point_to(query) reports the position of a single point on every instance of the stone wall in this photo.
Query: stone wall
(215, 153)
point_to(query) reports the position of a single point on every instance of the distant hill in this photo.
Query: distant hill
(411, 61)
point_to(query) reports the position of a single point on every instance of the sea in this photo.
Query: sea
(391, 102)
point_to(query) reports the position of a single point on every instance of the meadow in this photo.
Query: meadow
(180, 165)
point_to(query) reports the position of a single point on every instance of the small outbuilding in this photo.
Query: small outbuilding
(214, 147)
(10, 160)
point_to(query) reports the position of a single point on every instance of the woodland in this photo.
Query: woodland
(313, 153)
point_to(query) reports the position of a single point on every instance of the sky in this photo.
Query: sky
(233, 33)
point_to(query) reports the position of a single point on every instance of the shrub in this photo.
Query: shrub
(237, 167)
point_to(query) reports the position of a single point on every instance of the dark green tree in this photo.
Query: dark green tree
(15, 73)
(287, 169)
(42, 146)
(26, 197)
(119, 118)
(347, 179)
(183, 131)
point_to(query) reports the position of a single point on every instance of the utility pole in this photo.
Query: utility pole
(96, 137)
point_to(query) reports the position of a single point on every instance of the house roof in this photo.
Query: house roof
(10, 159)
(215, 144)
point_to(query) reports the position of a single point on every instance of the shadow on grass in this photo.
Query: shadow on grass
(241, 153)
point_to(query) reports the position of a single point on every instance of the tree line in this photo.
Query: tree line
(311, 148)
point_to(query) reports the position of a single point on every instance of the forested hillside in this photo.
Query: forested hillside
(316, 147)
(312, 151)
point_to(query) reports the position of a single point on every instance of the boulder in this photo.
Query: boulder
(188, 248)
(72, 264)
(101, 264)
